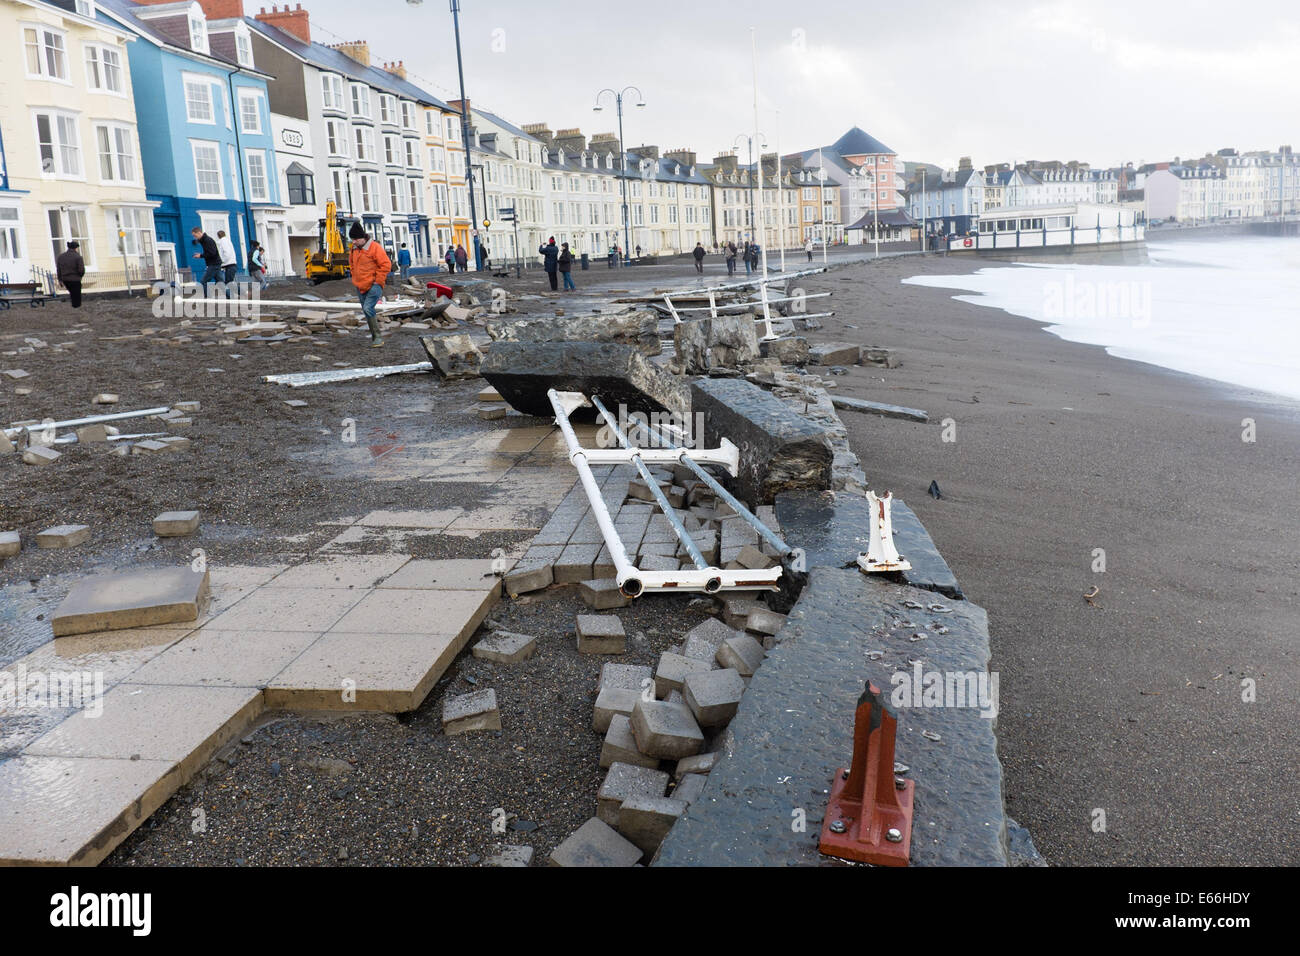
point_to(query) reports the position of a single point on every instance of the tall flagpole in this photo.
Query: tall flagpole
(780, 194)
(762, 249)
(821, 197)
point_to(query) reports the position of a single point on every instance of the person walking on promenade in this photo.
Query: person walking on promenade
(731, 258)
(210, 255)
(70, 268)
(753, 255)
(257, 265)
(487, 260)
(550, 260)
(808, 248)
(565, 261)
(370, 266)
(745, 255)
(462, 258)
(228, 263)
(638, 252)
(404, 261)
(450, 259)
(699, 258)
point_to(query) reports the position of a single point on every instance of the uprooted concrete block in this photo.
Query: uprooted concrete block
(453, 356)
(10, 544)
(788, 351)
(780, 450)
(131, 599)
(836, 353)
(522, 372)
(595, 843)
(729, 341)
(639, 329)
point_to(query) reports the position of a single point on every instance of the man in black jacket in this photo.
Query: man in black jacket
(699, 258)
(210, 255)
(550, 260)
(71, 267)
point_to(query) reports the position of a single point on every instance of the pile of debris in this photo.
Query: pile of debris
(38, 441)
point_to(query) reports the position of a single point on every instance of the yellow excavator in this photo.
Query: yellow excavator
(331, 261)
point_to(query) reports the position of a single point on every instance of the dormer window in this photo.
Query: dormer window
(198, 30)
(86, 8)
(243, 45)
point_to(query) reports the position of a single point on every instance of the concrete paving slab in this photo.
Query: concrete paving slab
(176, 524)
(288, 609)
(435, 520)
(395, 611)
(666, 730)
(467, 713)
(623, 781)
(457, 575)
(61, 811)
(63, 536)
(496, 518)
(595, 843)
(503, 647)
(619, 746)
(131, 599)
(340, 571)
(646, 820)
(212, 658)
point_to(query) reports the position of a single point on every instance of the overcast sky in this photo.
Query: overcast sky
(1105, 81)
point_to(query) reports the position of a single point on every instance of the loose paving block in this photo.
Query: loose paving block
(623, 781)
(149, 447)
(664, 729)
(603, 595)
(511, 856)
(63, 536)
(754, 559)
(742, 653)
(638, 677)
(131, 599)
(176, 524)
(187, 407)
(92, 433)
(736, 611)
(764, 621)
(492, 412)
(10, 544)
(104, 398)
(595, 843)
(489, 395)
(700, 763)
(40, 455)
(673, 669)
(713, 696)
(505, 647)
(295, 403)
(601, 634)
(612, 702)
(620, 746)
(835, 353)
(704, 639)
(534, 571)
(465, 713)
(16, 373)
(453, 356)
(690, 788)
(658, 562)
(575, 563)
(603, 568)
(645, 821)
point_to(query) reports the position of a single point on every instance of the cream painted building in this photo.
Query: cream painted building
(69, 150)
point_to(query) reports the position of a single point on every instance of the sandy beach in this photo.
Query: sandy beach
(1131, 705)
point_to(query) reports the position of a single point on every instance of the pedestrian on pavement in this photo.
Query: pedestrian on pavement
(71, 267)
(753, 255)
(450, 259)
(228, 263)
(210, 255)
(613, 256)
(731, 258)
(565, 262)
(746, 256)
(257, 265)
(404, 262)
(699, 258)
(638, 252)
(370, 266)
(550, 260)
(808, 248)
(487, 259)
(462, 258)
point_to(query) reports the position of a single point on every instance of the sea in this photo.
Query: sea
(1226, 309)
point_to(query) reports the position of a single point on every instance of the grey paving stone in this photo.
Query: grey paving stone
(700, 763)
(603, 594)
(703, 640)
(10, 544)
(665, 729)
(638, 677)
(626, 780)
(505, 647)
(619, 746)
(690, 788)
(595, 843)
(176, 524)
(611, 702)
(645, 821)
(534, 571)
(575, 563)
(713, 696)
(742, 653)
(764, 621)
(673, 669)
(601, 634)
(465, 713)
(511, 856)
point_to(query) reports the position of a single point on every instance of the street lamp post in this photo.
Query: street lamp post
(622, 158)
(464, 131)
(762, 144)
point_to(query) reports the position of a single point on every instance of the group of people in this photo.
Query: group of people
(557, 259)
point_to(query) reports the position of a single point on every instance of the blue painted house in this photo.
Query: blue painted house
(204, 121)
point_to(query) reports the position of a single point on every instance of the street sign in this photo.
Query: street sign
(506, 211)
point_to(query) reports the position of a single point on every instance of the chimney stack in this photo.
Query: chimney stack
(398, 69)
(358, 50)
(294, 22)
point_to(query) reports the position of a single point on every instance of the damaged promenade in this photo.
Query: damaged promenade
(422, 536)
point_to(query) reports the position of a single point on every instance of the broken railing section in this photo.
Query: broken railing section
(631, 580)
(299, 379)
(881, 554)
(765, 301)
(869, 813)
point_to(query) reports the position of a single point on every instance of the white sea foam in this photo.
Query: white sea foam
(1227, 310)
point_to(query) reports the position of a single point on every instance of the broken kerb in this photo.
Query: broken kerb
(631, 580)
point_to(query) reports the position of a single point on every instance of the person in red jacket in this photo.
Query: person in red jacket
(370, 266)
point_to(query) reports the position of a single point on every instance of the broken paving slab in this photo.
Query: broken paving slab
(879, 408)
(453, 356)
(794, 731)
(107, 602)
(780, 450)
(834, 529)
(523, 372)
(504, 647)
(595, 843)
(466, 713)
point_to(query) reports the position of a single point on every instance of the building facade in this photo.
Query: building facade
(70, 151)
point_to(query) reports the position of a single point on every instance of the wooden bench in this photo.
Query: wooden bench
(29, 292)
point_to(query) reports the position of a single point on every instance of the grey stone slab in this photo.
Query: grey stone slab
(779, 449)
(131, 599)
(10, 544)
(536, 570)
(595, 843)
(505, 647)
(474, 711)
(703, 640)
(713, 696)
(511, 856)
(637, 328)
(610, 703)
(575, 562)
(742, 653)
(833, 529)
(646, 820)
(63, 536)
(764, 621)
(626, 780)
(601, 634)
(879, 408)
(666, 729)
(603, 594)
(176, 524)
(619, 746)
(835, 353)
(637, 677)
(673, 669)
(700, 763)
(794, 732)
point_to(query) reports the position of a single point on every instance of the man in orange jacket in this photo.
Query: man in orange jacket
(370, 266)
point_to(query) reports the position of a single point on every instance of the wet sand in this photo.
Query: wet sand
(1131, 705)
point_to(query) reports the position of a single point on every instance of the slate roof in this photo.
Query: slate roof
(856, 142)
(124, 13)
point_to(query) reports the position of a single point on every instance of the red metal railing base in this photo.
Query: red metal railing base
(869, 818)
